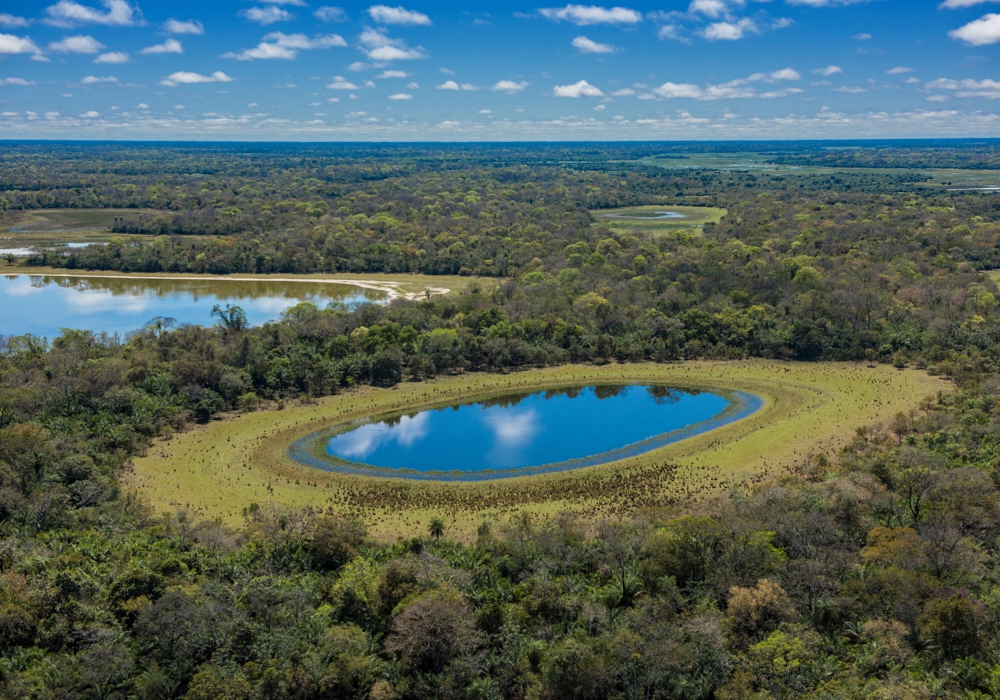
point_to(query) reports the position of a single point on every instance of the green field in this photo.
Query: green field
(937, 178)
(63, 220)
(51, 227)
(657, 219)
(218, 469)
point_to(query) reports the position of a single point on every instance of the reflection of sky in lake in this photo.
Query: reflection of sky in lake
(646, 216)
(534, 431)
(41, 306)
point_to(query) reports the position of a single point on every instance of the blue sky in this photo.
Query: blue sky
(693, 69)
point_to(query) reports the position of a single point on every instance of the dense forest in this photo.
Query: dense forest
(872, 573)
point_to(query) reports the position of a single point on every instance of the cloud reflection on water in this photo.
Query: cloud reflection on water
(358, 444)
(512, 429)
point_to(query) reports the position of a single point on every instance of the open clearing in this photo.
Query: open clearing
(658, 218)
(49, 227)
(218, 469)
(67, 220)
(936, 178)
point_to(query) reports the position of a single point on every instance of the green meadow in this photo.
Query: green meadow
(218, 470)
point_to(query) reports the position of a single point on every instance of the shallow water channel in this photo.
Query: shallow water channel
(522, 434)
(44, 304)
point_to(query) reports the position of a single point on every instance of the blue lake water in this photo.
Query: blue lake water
(545, 431)
(646, 216)
(44, 304)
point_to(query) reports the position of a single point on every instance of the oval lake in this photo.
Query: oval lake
(44, 304)
(522, 434)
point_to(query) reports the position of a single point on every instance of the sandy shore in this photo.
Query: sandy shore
(391, 289)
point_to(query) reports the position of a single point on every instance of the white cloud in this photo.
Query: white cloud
(583, 15)
(452, 85)
(828, 71)
(864, 36)
(11, 21)
(783, 74)
(10, 44)
(675, 90)
(730, 31)
(384, 14)
(86, 115)
(585, 45)
(580, 89)
(143, 105)
(624, 92)
(401, 96)
(77, 44)
(168, 46)
(394, 74)
(330, 14)
(734, 89)
(94, 80)
(989, 89)
(190, 27)
(983, 31)
(67, 13)
(340, 84)
(15, 81)
(670, 31)
(446, 71)
(898, 70)
(113, 58)
(959, 4)
(911, 80)
(825, 3)
(413, 86)
(287, 46)
(380, 47)
(266, 15)
(509, 86)
(709, 8)
(486, 111)
(849, 90)
(189, 78)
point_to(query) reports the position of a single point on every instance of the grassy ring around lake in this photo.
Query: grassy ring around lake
(217, 470)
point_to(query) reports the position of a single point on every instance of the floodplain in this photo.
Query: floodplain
(219, 469)
(657, 220)
(929, 178)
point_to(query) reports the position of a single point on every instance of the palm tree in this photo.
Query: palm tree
(437, 529)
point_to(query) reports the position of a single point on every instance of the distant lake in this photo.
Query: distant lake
(43, 304)
(528, 433)
(645, 215)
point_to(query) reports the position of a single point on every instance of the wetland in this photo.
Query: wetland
(42, 305)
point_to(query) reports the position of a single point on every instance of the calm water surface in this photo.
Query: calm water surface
(42, 305)
(646, 216)
(561, 429)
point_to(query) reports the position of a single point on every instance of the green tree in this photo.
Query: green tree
(436, 528)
